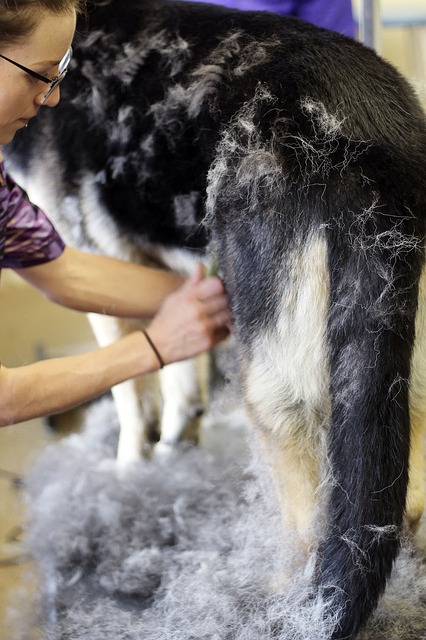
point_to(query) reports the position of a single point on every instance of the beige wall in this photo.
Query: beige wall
(403, 44)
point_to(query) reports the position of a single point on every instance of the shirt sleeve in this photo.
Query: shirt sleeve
(27, 237)
(332, 14)
(336, 15)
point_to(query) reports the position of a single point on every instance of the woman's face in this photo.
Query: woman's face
(20, 93)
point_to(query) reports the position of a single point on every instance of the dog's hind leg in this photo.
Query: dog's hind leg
(295, 469)
(416, 489)
(416, 486)
(286, 387)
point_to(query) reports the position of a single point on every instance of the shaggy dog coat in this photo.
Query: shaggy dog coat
(298, 157)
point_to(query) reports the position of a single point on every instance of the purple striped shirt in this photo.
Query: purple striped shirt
(27, 237)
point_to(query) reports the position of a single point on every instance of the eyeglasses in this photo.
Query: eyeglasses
(53, 82)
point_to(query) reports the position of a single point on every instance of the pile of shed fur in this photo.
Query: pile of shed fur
(184, 548)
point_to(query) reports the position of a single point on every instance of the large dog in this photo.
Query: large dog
(299, 157)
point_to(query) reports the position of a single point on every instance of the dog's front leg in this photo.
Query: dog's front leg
(182, 404)
(136, 401)
(416, 486)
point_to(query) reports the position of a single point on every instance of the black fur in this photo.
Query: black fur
(268, 130)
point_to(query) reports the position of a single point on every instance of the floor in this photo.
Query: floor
(33, 328)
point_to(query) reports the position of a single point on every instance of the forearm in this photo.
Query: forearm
(93, 283)
(56, 385)
(191, 320)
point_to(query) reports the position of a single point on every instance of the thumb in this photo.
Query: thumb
(196, 276)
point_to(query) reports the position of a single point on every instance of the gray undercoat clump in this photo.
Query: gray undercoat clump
(181, 549)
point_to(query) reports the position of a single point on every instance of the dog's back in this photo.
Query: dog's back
(301, 156)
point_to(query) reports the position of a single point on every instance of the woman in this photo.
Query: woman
(189, 317)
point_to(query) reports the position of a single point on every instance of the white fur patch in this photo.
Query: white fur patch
(288, 377)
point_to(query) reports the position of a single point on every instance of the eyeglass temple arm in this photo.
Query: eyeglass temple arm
(30, 71)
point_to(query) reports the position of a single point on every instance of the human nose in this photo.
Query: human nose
(51, 101)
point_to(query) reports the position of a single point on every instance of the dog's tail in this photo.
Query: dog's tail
(373, 299)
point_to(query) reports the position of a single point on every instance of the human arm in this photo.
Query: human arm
(56, 385)
(190, 321)
(87, 282)
(94, 283)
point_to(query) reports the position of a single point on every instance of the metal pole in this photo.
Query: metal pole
(369, 23)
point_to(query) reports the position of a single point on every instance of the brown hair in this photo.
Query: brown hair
(18, 17)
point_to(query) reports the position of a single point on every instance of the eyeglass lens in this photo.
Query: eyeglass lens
(62, 72)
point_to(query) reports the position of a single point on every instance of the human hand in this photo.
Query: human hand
(193, 319)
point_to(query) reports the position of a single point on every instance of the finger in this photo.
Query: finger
(215, 303)
(209, 287)
(221, 318)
